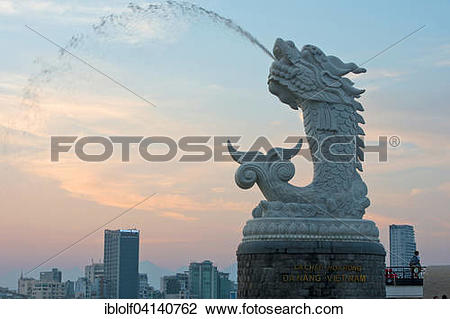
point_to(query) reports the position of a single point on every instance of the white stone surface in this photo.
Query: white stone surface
(310, 81)
(317, 229)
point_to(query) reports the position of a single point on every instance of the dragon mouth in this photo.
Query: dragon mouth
(282, 72)
(282, 67)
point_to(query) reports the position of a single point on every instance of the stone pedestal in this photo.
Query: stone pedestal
(294, 251)
(314, 269)
(311, 269)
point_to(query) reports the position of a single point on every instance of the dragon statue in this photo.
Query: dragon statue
(309, 80)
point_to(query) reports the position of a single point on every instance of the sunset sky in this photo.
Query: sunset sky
(205, 80)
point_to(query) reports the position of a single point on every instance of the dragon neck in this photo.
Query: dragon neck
(323, 121)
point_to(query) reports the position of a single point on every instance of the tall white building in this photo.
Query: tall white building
(402, 244)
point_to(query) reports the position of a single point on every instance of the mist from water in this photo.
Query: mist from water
(153, 21)
(187, 9)
(128, 22)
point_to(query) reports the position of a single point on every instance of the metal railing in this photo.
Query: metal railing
(404, 275)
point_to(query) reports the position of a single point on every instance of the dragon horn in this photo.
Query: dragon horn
(235, 154)
(291, 152)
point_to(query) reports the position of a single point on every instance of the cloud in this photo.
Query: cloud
(218, 190)
(376, 79)
(178, 216)
(215, 87)
(44, 6)
(132, 28)
(111, 183)
(165, 241)
(376, 74)
(443, 63)
(115, 184)
(445, 188)
(24, 7)
(7, 8)
(423, 137)
(383, 221)
(416, 191)
(441, 188)
(444, 51)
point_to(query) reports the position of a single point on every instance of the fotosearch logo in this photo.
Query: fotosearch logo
(334, 148)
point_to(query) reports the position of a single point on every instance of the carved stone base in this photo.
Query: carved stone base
(306, 229)
(311, 269)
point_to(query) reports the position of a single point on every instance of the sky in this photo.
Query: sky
(204, 80)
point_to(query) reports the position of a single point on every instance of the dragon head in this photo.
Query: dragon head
(309, 75)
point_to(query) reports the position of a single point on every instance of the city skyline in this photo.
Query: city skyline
(119, 277)
(72, 273)
(203, 79)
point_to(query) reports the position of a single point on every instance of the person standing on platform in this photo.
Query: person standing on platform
(414, 264)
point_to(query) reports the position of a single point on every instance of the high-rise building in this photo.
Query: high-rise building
(225, 286)
(402, 245)
(82, 289)
(94, 270)
(183, 278)
(48, 290)
(25, 286)
(95, 276)
(144, 287)
(49, 287)
(70, 289)
(155, 294)
(203, 280)
(206, 282)
(121, 262)
(175, 286)
(52, 275)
